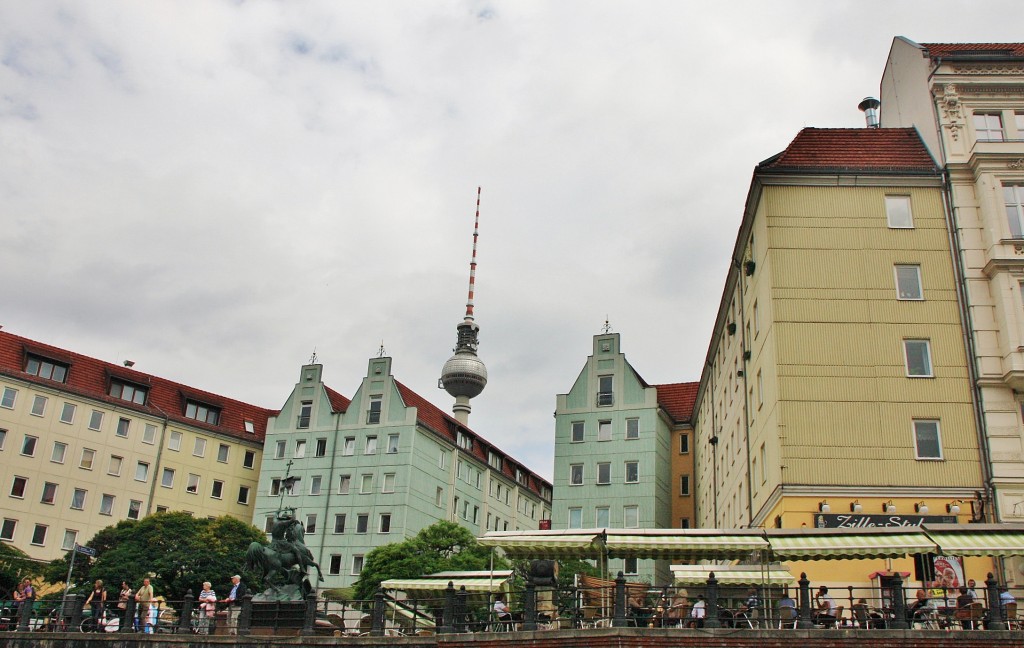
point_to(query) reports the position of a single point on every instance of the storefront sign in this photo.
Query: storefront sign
(860, 521)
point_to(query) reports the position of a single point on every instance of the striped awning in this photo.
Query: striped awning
(552, 544)
(978, 539)
(732, 575)
(877, 543)
(440, 584)
(692, 545)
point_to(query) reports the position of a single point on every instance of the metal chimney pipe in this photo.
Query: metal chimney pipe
(870, 107)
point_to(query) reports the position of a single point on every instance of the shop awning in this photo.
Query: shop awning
(472, 581)
(395, 610)
(732, 575)
(688, 544)
(978, 539)
(840, 544)
(546, 544)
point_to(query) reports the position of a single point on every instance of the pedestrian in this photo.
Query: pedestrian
(207, 608)
(144, 597)
(122, 598)
(97, 601)
(234, 601)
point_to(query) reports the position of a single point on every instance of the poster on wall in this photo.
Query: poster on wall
(949, 572)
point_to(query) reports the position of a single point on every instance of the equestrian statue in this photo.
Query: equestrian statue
(285, 561)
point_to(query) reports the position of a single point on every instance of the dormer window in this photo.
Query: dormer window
(465, 441)
(45, 368)
(202, 412)
(128, 391)
(494, 460)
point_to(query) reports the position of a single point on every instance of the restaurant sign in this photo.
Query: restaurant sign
(860, 521)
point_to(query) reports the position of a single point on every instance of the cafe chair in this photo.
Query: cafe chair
(1012, 621)
(787, 618)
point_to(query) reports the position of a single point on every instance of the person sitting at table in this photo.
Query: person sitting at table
(825, 612)
(787, 610)
(748, 609)
(970, 588)
(963, 609)
(922, 608)
(677, 608)
(697, 613)
(1004, 598)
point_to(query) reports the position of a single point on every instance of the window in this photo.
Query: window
(1018, 119)
(684, 485)
(275, 487)
(604, 431)
(756, 319)
(629, 565)
(389, 483)
(919, 359)
(161, 509)
(344, 484)
(96, 420)
(631, 517)
(349, 448)
(192, 485)
(3, 439)
(684, 523)
(39, 535)
(392, 444)
(279, 449)
(300, 448)
(217, 492)
(575, 518)
(684, 443)
(88, 455)
(315, 484)
(222, 452)
(7, 529)
(321, 448)
(243, 494)
(199, 448)
(114, 466)
(602, 517)
(605, 396)
(371, 446)
(760, 389)
(149, 434)
(578, 429)
(460, 470)
(174, 442)
(305, 411)
(78, 499)
(604, 472)
(311, 523)
(67, 414)
(494, 460)
(357, 565)
(58, 453)
(1013, 195)
(249, 460)
(439, 496)
(38, 405)
(464, 441)
(632, 472)
(442, 459)
(575, 475)
(134, 509)
(897, 212)
(28, 445)
(127, 391)
(339, 523)
(908, 282)
(927, 440)
(366, 484)
(335, 566)
(200, 412)
(373, 414)
(70, 539)
(167, 480)
(250, 427)
(9, 398)
(988, 127)
(385, 523)
(764, 464)
(632, 428)
(49, 493)
(107, 504)
(40, 366)
(362, 522)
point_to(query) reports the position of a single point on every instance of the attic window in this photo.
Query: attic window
(128, 391)
(202, 412)
(250, 428)
(494, 460)
(45, 368)
(465, 441)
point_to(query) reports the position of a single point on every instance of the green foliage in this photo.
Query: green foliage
(15, 564)
(176, 550)
(443, 546)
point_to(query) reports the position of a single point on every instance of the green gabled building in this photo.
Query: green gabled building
(379, 467)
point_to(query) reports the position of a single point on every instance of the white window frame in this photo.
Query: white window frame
(53, 452)
(902, 294)
(300, 449)
(199, 447)
(38, 405)
(626, 510)
(67, 413)
(929, 369)
(988, 126)
(606, 479)
(574, 427)
(574, 478)
(192, 484)
(174, 441)
(344, 484)
(604, 430)
(632, 428)
(388, 485)
(893, 209)
(917, 439)
(316, 485)
(636, 467)
(9, 398)
(577, 513)
(163, 477)
(107, 502)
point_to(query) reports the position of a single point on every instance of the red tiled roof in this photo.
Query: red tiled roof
(678, 399)
(90, 378)
(338, 402)
(849, 150)
(448, 427)
(942, 50)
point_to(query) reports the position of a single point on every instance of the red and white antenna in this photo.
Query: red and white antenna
(472, 262)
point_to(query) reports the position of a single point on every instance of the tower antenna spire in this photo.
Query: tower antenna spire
(472, 260)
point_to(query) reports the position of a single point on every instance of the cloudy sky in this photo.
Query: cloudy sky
(215, 189)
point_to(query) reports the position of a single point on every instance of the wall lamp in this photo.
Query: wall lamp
(954, 506)
(823, 506)
(888, 507)
(855, 506)
(921, 508)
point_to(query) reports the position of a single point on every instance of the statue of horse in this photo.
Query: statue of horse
(272, 561)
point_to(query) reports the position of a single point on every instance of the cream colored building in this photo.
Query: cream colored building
(967, 100)
(85, 444)
(836, 390)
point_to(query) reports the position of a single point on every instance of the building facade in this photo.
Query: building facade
(836, 388)
(86, 443)
(380, 467)
(967, 101)
(618, 459)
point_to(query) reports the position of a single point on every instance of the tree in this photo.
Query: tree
(176, 550)
(442, 546)
(15, 564)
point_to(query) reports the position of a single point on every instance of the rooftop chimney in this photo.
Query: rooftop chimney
(129, 364)
(870, 107)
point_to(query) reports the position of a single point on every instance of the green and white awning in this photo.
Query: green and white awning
(827, 544)
(546, 544)
(732, 574)
(475, 581)
(690, 544)
(978, 539)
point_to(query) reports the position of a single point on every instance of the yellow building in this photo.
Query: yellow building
(85, 444)
(836, 390)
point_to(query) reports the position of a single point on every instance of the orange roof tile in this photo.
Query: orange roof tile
(947, 50)
(338, 402)
(678, 399)
(90, 378)
(897, 151)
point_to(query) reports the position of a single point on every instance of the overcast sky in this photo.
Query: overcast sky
(216, 189)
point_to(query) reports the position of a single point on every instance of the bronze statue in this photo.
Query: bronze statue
(285, 561)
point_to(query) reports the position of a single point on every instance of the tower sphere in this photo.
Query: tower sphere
(464, 374)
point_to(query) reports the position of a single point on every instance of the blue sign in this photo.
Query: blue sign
(88, 551)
